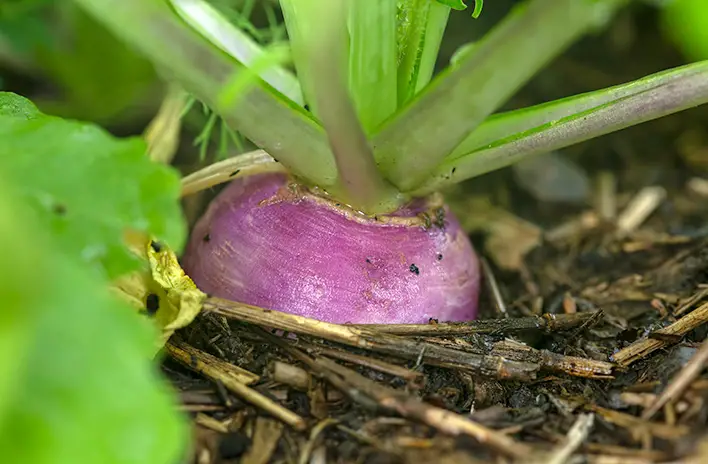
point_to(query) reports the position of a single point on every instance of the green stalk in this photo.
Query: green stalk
(670, 93)
(438, 16)
(372, 60)
(221, 32)
(262, 114)
(510, 124)
(360, 183)
(421, 24)
(413, 143)
(300, 21)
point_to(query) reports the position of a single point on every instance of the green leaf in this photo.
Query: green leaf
(559, 124)
(454, 4)
(421, 25)
(89, 187)
(417, 139)
(372, 60)
(685, 22)
(77, 385)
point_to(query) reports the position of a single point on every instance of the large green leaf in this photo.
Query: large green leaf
(90, 187)
(76, 383)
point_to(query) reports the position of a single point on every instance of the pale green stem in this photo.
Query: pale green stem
(683, 90)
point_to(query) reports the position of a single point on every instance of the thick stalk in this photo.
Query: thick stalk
(372, 60)
(411, 145)
(326, 64)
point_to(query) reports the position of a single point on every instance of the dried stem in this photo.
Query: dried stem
(680, 382)
(645, 346)
(490, 366)
(545, 323)
(253, 162)
(201, 362)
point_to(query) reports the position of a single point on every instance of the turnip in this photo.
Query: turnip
(271, 243)
(346, 225)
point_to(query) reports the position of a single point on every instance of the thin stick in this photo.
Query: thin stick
(266, 436)
(572, 365)
(288, 374)
(606, 195)
(199, 362)
(493, 288)
(253, 162)
(680, 382)
(576, 436)
(546, 323)
(645, 346)
(371, 363)
(489, 366)
(639, 209)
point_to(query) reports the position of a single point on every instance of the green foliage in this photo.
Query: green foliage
(76, 381)
(91, 187)
(100, 78)
(686, 23)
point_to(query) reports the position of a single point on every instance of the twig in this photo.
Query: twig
(314, 434)
(576, 436)
(606, 195)
(371, 363)
(489, 366)
(199, 362)
(680, 382)
(265, 439)
(690, 301)
(211, 423)
(493, 287)
(572, 365)
(637, 426)
(645, 346)
(288, 374)
(545, 323)
(639, 209)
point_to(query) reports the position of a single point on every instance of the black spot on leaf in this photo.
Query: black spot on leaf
(152, 304)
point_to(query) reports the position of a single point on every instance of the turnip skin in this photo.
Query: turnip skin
(266, 242)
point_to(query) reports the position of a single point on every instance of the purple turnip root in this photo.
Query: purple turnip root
(269, 242)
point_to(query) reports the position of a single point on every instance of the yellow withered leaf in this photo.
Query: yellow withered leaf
(163, 291)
